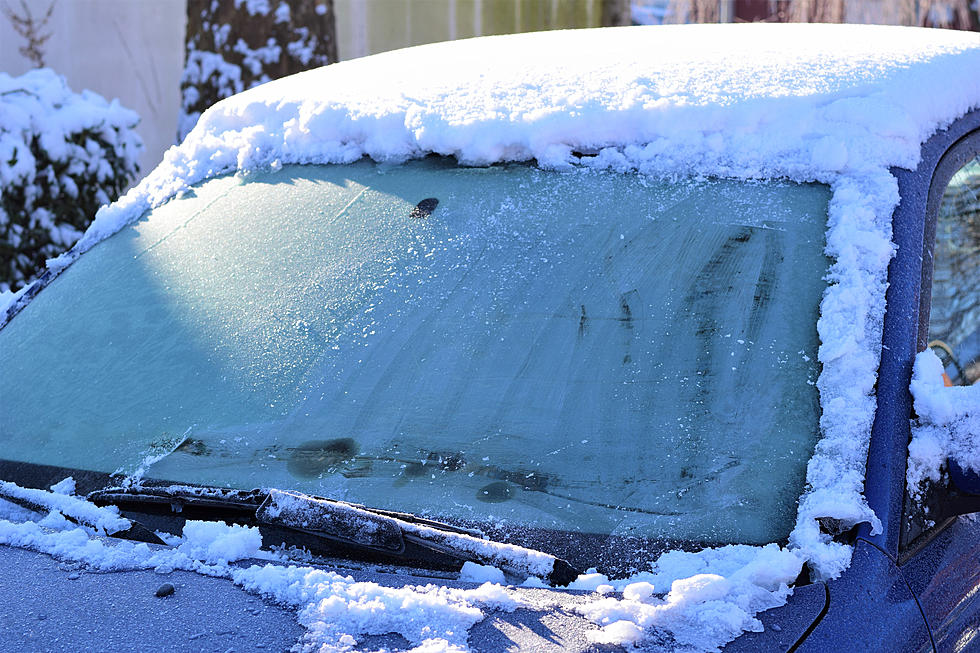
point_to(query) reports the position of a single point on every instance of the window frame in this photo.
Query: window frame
(956, 148)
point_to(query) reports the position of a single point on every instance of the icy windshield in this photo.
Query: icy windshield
(581, 351)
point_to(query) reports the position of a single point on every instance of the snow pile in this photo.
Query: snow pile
(62, 156)
(217, 543)
(335, 609)
(476, 573)
(947, 424)
(221, 61)
(711, 596)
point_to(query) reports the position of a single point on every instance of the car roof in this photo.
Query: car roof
(805, 101)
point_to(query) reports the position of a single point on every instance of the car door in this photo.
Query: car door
(914, 585)
(939, 549)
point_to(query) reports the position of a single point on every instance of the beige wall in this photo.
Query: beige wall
(127, 49)
(369, 26)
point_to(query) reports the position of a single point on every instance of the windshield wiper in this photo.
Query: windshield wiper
(35, 501)
(330, 527)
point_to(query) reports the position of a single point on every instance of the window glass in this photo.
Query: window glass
(954, 319)
(583, 351)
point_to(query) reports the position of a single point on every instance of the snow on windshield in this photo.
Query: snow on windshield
(836, 104)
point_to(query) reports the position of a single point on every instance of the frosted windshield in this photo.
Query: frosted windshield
(577, 351)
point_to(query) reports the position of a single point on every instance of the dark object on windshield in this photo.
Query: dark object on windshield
(424, 208)
(333, 527)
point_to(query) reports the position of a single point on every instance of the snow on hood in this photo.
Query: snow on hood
(838, 104)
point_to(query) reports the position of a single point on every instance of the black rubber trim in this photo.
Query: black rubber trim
(816, 622)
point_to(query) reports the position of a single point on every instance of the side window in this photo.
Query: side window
(954, 314)
(954, 319)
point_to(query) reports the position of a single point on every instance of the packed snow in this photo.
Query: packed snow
(946, 425)
(835, 104)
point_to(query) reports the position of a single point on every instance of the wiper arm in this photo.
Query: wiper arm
(39, 501)
(331, 527)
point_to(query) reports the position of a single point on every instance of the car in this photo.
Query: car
(572, 340)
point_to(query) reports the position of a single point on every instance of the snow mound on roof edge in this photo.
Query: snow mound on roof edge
(800, 101)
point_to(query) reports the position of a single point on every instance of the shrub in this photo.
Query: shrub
(62, 156)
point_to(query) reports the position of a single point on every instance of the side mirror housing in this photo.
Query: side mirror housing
(966, 481)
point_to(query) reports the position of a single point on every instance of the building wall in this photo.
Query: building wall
(132, 50)
(369, 26)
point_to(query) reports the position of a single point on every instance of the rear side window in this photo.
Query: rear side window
(954, 319)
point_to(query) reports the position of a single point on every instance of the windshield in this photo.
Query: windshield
(585, 352)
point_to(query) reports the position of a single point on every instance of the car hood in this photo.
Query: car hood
(61, 602)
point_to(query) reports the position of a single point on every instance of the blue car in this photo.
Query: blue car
(657, 337)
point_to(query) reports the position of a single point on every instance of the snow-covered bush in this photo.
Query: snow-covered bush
(233, 45)
(62, 156)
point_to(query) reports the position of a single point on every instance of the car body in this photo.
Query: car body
(708, 292)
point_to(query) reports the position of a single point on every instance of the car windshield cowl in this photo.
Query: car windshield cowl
(338, 528)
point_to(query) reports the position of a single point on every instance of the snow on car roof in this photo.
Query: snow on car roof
(801, 101)
(838, 104)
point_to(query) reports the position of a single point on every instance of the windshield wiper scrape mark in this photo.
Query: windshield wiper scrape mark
(318, 457)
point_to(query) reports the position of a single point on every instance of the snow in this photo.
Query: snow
(298, 509)
(106, 519)
(217, 543)
(946, 425)
(336, 609)
(711, 595)
(476, 573)
(835, 104)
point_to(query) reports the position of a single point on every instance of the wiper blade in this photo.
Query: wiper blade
(39, 501)
(328, 525)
